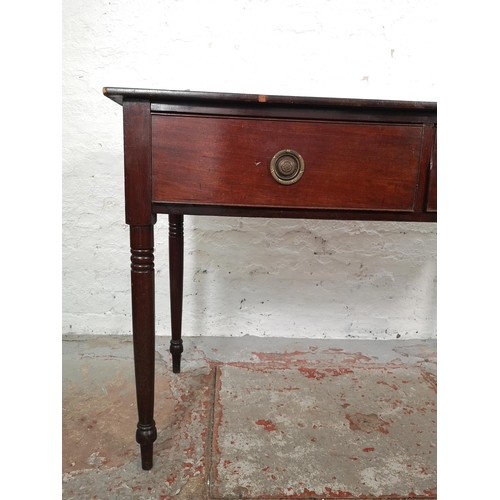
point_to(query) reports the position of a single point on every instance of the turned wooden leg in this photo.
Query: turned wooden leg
(143, 329)
(176, 263)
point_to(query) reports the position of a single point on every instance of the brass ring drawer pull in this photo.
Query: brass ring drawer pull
(287, 166)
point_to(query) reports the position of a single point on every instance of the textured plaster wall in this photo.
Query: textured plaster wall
(295, 278)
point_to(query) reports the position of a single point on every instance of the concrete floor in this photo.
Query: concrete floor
(253, 418)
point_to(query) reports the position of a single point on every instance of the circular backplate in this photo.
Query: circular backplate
(287, 166)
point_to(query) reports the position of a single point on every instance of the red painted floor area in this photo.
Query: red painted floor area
(253, 419)
(296, 431)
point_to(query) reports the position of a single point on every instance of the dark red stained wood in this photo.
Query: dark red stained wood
(140, 217)
(343, 113)
(425, 161)
(176, 271)
(293, 213)
(432, 197)
(120, 94)
(143, 329)
(225, 161)
(137, 154)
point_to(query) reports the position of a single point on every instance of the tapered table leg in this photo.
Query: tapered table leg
(176, 269)
(143, 328)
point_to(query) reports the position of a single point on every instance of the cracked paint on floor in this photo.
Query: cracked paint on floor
(358, 432)
(286, 419)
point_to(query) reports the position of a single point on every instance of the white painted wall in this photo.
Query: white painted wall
(373, 280)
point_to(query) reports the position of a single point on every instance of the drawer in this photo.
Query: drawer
(226, 161)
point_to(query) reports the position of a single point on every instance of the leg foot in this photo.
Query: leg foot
(147, 456)
(176, 349)
(146, 436)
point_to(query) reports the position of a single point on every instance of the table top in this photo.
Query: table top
(118, 94)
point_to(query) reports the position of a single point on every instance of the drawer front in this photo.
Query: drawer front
(226, 161)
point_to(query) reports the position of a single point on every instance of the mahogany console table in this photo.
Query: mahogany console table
(201, 153)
